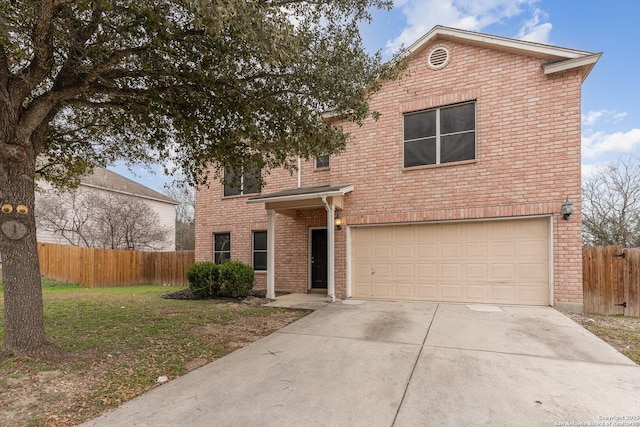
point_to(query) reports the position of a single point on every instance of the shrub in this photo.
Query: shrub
(204, 279)
(236, 278)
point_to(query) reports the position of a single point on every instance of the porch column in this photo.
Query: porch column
(271, 254)
(331, 243)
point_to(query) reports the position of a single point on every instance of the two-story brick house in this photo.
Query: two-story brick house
(455, 194)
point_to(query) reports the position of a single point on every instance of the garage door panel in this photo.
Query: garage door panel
(405, 290)
(451, 291)
(382, 271)
(383, 251)
(427, 272)
(404, 270)
(426, 291)
(502, 272)
(476, 292)
(502, 249)
(476, 271)
(404, 251)
(451, 250)
(504, 261)
(450, 271)
(535, 273)
(476, 249)
(427, 250)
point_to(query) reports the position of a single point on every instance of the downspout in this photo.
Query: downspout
(299, 172)
(331, 243)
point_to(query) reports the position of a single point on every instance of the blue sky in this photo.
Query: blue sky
(610, 95)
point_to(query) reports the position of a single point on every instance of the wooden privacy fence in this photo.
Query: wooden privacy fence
(611, 280)
(106, 267)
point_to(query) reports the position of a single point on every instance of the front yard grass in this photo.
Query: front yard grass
(123, 338)
(622, 333)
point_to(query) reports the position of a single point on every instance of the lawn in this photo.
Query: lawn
(123, 340)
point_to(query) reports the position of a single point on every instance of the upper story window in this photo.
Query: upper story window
(245, 183)
(322, 161)
(440, 135)
(221, 247)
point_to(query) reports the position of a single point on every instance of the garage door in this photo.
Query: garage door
(487, 262)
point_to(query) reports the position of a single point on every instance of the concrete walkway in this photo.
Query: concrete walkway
(359, 363)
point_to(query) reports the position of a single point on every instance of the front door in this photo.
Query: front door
(319, 259)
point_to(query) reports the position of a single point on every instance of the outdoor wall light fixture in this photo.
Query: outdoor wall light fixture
(338, 221)
(567, 209)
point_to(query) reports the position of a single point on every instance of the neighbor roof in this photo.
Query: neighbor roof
(560, 59)
(108, 180)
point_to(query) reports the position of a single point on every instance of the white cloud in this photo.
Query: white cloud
(592, 169)
(609, 116)
(599, 143)
(474, 15)
(534, 31)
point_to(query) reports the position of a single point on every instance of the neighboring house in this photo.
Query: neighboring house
(104, 182)
(455, 194)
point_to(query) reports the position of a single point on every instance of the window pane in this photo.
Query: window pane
(232, 183)
(222, 242)
(251, 181)
(322, 161)
(260, 261)
(458, 118)
(420, 125)
(420, 152)
(454, 148)
(221, 257)
(259, 240)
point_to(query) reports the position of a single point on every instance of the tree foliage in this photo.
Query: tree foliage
(230, 81)
(190, 83)
(611, 205)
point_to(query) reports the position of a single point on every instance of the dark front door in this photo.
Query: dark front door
(319, 259)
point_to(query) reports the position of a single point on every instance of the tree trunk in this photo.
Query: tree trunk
(23, 305)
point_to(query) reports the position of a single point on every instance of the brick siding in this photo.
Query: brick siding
(527, 162)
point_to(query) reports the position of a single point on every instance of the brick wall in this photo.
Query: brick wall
(527, 162)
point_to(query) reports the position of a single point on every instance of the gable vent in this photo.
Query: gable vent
(438, 58)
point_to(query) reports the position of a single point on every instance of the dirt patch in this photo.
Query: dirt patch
(66, 393)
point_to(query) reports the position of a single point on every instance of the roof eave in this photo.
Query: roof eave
(588, 62)
(496, 42)
(296, 197)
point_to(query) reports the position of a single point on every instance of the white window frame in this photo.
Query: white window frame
(439, 135)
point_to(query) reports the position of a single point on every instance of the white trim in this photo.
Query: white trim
(449, 221)
(586, 61)
(551, 261)
(294, 197)
(348, 291)
(271, 254)
(496, 42)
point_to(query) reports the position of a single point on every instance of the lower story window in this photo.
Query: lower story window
(221, 247)
(260, 250)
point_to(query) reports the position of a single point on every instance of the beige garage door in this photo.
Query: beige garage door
(489, 262)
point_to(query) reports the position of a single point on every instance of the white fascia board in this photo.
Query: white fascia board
(496, 42)
(295, 197)
(585, 61)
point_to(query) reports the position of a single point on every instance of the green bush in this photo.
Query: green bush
(204, 279)
(236, 278)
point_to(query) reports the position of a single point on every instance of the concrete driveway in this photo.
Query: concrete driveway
(359, 363)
